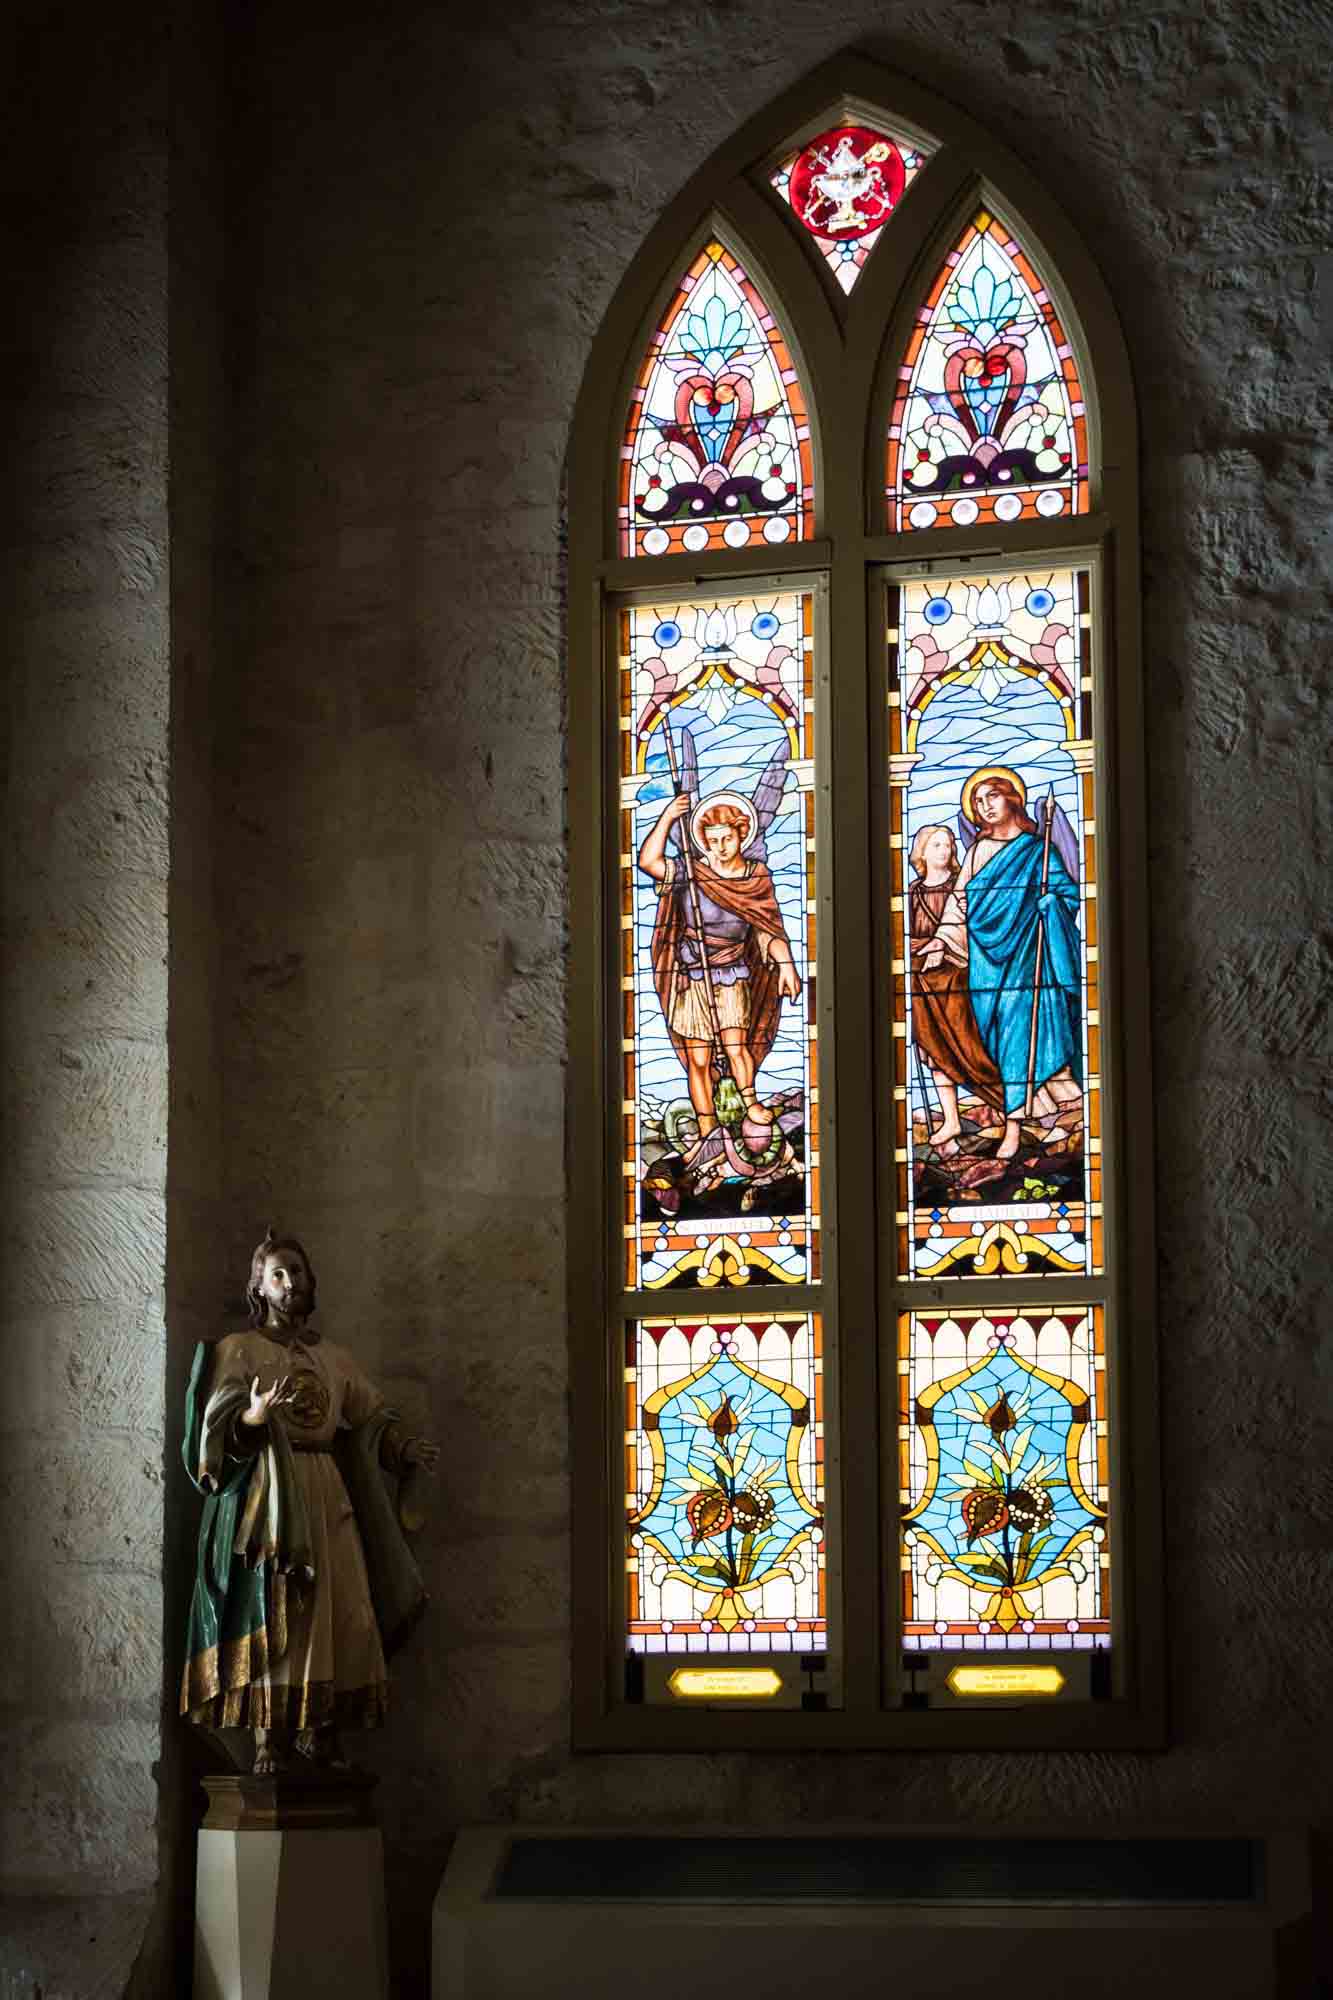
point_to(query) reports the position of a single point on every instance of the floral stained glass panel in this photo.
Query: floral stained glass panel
(717, 449)
(843, 187)
(1003, 1474)
(996, 960)
(724, 1480)
(988, 421)
(720, 1056)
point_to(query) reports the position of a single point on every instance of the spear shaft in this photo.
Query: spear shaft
(1049, 811)
(696, 910)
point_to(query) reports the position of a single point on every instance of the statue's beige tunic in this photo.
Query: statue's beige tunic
(333, 1669)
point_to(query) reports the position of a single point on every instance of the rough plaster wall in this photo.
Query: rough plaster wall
(83, 994)
(437, 216)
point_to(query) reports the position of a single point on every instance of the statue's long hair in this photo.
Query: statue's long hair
(254, 1298)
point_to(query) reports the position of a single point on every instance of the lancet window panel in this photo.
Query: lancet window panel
(996, 965)
(717, 451)
(843, 187)
(989, 422)
(719, 983)
(1004, 1475)
(859, 1209)
(724, 1485)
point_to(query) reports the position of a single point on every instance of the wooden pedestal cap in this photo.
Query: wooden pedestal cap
(239, 1803)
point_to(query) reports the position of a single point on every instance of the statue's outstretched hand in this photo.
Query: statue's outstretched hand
(789, 980)
(264, 1400)
(421, 1451)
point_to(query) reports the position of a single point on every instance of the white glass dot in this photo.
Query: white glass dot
(964, 512)
(736, 534)
(1050, 502)
(1072, 1625)
(748, 1625)
(792, 1626)
(656, 542)
(1008, 507)
(978, 1229)
(667, 1625)
(695, 536)
(922, 515)
(941, 1624)
(1028, 1625)
(776, 529)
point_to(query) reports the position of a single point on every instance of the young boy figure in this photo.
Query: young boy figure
(304, 1581)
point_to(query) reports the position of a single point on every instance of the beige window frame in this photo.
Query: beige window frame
(846, 349)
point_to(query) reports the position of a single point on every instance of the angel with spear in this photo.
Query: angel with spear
(722, 961)
(1012, 922)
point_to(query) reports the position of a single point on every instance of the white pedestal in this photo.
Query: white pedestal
(290, 1902)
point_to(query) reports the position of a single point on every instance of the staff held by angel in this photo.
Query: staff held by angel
(722, 961)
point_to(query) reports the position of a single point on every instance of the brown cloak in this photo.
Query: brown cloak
(943, 1022)
(752, 898)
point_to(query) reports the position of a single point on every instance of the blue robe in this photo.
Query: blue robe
(1004, 901)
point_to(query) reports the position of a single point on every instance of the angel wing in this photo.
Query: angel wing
(766, 798)
(967, 833)
(1064, 840)
(688, 757)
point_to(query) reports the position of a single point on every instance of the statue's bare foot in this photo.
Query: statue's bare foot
(1010, 1143)
(272, 1753)
(945, 1137)
(321, 1747)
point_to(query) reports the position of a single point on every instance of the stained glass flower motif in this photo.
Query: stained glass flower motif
(989, 422)
(1002, 1430)
(843, 187)
(724, 1485)
(717, 447)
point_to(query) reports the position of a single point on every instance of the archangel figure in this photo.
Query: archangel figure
(722, 963)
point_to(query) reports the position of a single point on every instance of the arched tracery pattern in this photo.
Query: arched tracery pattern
(716, 452)
(988, 421)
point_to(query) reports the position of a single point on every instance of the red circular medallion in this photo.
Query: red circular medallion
(847, 182)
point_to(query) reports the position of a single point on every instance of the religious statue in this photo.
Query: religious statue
(304, 1581)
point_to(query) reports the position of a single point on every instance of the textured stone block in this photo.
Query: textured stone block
(93, 954)
(78, 1815)
(70, 1245)
(88, 1111)
(93, 1503)
(95, 1367)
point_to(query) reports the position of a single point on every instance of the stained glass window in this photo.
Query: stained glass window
(842, 188)
(717, 850)
(846, 940)
(996, 967)
(1004, 1481)
(717, 449)
(724, 1480)
(988, 423)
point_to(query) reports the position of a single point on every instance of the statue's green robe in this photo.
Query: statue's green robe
(298, 1597)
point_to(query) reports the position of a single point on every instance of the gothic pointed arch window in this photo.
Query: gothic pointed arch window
(861, 1278)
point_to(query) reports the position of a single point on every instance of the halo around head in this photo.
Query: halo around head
(742, 805)
(980, 777)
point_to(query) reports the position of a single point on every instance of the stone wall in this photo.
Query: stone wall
(425, 216)
(83, 993)
(436, 218)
